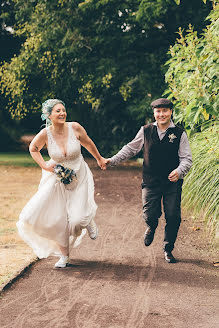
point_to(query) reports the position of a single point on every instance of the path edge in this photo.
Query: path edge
(18, 275)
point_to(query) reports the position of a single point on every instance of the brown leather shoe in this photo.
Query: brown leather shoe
(169, 257)
(148, 236)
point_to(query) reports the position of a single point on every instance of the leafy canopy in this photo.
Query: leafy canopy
(87, 51)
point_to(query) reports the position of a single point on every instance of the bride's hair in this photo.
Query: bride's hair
(47, 107)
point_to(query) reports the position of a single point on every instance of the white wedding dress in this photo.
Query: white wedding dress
(59, 213)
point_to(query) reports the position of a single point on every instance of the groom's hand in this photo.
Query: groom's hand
(107, 161)
(173, 176)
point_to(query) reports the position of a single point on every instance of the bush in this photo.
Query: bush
(200, 191)
(192, 75)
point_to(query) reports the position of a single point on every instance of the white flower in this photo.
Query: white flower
(172, 137)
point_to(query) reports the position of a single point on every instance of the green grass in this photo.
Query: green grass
(201, 187)
(18, 159)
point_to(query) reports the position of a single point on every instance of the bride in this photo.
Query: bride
(60, 214)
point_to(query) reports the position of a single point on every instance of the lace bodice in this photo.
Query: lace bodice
(73, 149)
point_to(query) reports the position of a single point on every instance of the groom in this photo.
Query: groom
(167, 159)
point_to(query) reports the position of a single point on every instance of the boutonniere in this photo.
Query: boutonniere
(172, 137)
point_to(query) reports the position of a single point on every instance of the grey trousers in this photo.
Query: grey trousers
(170, 194)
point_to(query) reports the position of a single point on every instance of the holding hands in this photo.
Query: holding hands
(103, 162)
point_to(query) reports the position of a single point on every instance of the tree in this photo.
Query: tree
(104, 55)
(10, 45)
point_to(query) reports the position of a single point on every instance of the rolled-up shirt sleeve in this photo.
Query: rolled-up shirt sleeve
(185, 156)
(129, 150)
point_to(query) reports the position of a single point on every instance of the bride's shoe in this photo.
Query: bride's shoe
(62, 262)
(92, 229)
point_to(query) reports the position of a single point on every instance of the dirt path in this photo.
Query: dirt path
(116, 281)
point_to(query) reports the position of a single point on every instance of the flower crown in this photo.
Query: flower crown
(47, 107)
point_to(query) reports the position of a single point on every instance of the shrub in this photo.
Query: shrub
(192, 75)
(201, 186)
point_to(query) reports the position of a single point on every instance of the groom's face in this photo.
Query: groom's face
(162, 115)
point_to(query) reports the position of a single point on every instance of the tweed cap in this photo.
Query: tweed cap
(162, 102)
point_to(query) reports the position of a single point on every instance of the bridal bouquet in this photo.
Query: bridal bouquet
(64, 174)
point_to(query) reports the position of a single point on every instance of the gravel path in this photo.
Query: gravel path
(115, 281)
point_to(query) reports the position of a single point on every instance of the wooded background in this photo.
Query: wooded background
(107, 60)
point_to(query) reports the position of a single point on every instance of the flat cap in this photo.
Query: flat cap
(162, 102)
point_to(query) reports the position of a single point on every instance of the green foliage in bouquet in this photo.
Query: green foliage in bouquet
(192, 75)
(201, 186)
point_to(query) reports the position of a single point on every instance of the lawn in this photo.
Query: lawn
(17, 185)
(18, 159)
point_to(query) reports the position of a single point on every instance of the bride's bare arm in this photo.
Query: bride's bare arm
(86, 142)
(35, 146)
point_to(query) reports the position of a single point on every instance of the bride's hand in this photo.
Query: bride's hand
(50, 167)
(102, 163)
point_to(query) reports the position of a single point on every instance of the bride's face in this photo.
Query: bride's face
(58, 114)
